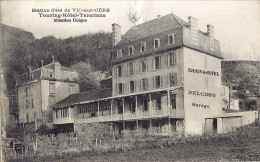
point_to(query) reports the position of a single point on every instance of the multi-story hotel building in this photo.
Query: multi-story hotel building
(166, 77)
(40, 89)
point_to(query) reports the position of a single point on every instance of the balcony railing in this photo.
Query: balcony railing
(133, 116)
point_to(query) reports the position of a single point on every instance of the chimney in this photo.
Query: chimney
(193, 23)
(158, 16)
(116, 34)
(210, 33)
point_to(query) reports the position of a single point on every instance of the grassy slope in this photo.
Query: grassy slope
(242, 145)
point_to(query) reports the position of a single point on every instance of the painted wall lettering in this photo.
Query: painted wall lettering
(203, 72)
(202, 93)
(200, 105)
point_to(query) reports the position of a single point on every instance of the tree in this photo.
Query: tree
(245, 75)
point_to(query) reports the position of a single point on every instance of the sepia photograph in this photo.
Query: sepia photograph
(134, 80)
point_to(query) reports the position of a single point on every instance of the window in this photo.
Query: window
(143, 47)
(156, 43)
(120, 88)
(158, 103)
(173, 101)
(157, 81)
(119, 53)
(27, 104)
(119, 71)
(52, 88)
(132, 86)
(120, 106)
(131, 66)
(143, 65)
(215, 124)
(26, 92)
(132, 106)
(64, 113)
(173, 79)
(27, 118)
(56, 114)
(51, 75)
(171, 39)
(131, 50)
(157, 62)
(144, 84)
(32, 103)
(145, 104)
(172, 59)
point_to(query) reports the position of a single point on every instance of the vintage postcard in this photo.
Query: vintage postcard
(129, 80)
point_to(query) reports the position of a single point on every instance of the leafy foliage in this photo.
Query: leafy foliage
(245, 75)
(19, 48)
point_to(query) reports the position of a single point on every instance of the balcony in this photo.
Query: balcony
(140, 115)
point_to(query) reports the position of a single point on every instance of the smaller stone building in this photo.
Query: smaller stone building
(41, 88)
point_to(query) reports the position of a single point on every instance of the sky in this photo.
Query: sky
(236, 23)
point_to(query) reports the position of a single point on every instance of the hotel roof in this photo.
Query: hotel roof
(84, 97)
(158, 25)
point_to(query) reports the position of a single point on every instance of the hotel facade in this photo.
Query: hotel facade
(166, 79)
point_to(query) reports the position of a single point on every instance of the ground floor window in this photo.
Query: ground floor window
(105, 111)
(215, 124)
(173, 101)
(132, 106)
(120, 107)
(145, 104)
(158, 103)
(64, 113)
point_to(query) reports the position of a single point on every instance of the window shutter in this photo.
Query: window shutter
(165, 60)
(153, 64)
(117, 88)
(139, 69)
(174, 55)
(154, 82)
(135, 85)
(141, 85)
(123, 88)
(175, 78)
(146, 82)
(164, 81)
(161, 80)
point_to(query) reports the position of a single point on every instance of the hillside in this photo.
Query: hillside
(19, 48)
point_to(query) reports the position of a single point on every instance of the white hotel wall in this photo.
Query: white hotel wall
(195, 116)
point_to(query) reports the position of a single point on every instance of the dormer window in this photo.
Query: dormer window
(156, 43)
(171, 39)
(119, 53)
(143, 47)
(130, 50)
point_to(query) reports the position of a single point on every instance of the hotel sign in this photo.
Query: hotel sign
(206, 72)
(197, 93)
